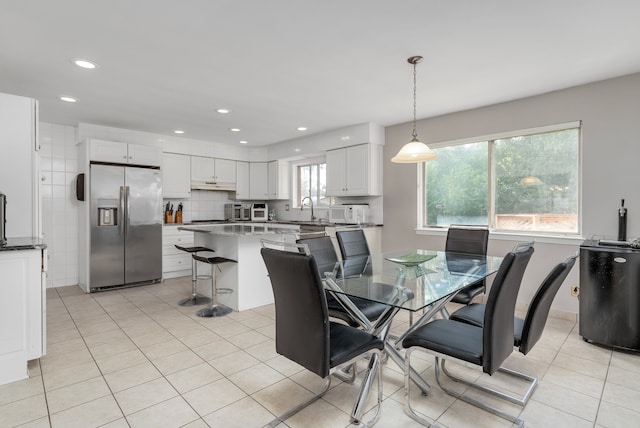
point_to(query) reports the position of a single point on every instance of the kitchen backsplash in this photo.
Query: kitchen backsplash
(203, 205)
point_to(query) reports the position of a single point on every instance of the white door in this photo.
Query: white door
(242, 180)
(336, 166)
(357, 170)
(225, 170)
(144, 155)
(176, 176)
(258, 180)
(202, 169)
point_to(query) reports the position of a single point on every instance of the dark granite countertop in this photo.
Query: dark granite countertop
(27, 243)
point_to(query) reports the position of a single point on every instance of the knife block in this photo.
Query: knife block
(179, 217)
(168, 217)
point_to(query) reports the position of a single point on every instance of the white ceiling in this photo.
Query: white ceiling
(280, 64)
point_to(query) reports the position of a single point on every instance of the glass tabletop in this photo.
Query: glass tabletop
(410, 279)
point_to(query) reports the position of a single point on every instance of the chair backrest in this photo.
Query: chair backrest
(497, 335)
(353, 243)
(323, 252)
(467, 239)
(538, 311)
(355, 252)
(302, 321)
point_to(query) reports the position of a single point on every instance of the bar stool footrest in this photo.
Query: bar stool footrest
(224, 291)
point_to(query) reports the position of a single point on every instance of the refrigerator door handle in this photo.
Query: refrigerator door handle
(121, 211)
(127, 219)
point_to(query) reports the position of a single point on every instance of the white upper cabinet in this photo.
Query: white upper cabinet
(176, 176)
(213, 169)
(278, 180)
(258, 180)
(116, 152)
(355, 171)
(225, 170)
(144, 155)
(242, 180)
(202, 169)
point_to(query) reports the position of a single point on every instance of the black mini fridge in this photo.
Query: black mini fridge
(610, 294)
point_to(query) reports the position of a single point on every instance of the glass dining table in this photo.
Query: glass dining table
(419, 281)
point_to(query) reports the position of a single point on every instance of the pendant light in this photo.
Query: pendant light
(414, 151)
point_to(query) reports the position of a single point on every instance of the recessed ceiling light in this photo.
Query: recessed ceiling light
(223, 110)
(178, 131)
(302, 128)
(67, 99)
(243, 142)
(84, 63)
(296, 150)
(234, 129)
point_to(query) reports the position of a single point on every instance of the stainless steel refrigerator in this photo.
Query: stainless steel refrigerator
(126, 226)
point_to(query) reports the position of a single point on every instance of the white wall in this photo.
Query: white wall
(58, 168)
(609, 111)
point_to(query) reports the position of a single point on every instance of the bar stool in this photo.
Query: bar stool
(215, 310)
(195, 299)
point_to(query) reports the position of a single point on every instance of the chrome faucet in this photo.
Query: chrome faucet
(313, 217)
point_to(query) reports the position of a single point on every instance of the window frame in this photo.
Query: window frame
(295, 200)
(421, 219)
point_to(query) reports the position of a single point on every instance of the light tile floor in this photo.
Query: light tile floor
(134, 358)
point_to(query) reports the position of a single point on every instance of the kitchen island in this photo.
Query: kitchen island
(240, 242)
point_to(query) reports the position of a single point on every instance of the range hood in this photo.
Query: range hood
(213, 185)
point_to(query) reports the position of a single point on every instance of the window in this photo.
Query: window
(312, 183)
(522, 182)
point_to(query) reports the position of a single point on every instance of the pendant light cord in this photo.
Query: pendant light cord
(414, 60)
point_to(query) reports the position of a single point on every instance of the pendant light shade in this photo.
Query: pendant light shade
(414, 151)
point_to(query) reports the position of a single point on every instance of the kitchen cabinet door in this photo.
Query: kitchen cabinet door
(202, 169)
(336, 172)
(139, 154)
(354, 171)
(225, 170)
(278, 178)
(116, 152)
(258, 180)
(109, 151)
(242, 180)
(176, 176)
(20, 312)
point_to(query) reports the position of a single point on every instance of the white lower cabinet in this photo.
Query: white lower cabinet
(21, 312)
(175, 263)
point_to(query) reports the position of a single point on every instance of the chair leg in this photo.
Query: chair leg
(280, 419)
(407, 392)
(375, 368)
(215, 310)
(195, 299)
(521, 401)
(352, 370)
(473, 401)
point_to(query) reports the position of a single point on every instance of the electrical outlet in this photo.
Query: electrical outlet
(286, 207)
(575, 290)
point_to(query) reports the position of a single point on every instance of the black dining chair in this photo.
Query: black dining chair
(486, 346)
(327, 262)
(527, 331)
(304, 333)
(468, 240)
(355, 251)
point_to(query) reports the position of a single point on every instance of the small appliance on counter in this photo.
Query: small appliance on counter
(259, 212)
(239, 211)
(349, 213)
(3, 219)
